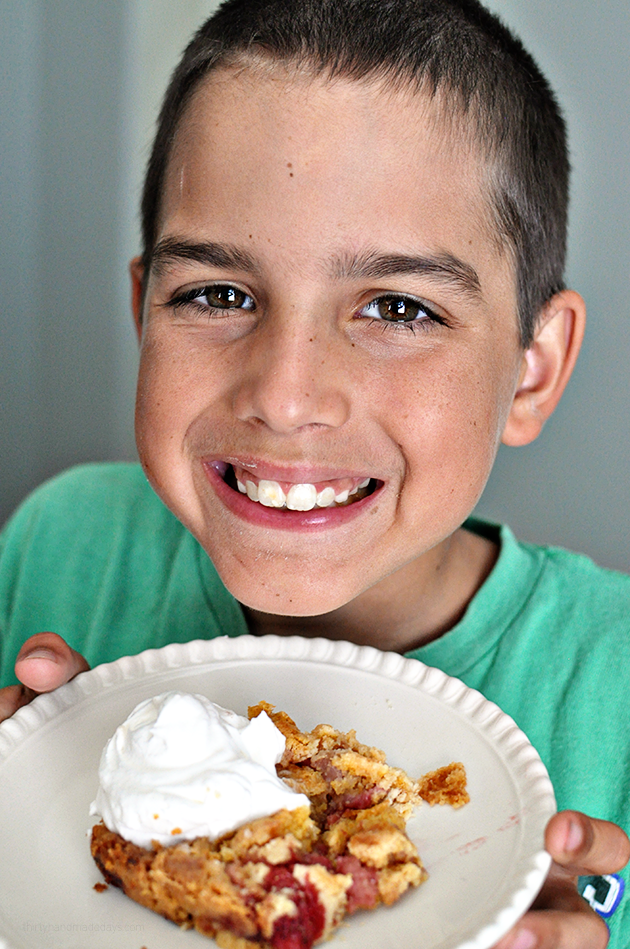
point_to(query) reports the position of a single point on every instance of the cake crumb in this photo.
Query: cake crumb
(446, 785)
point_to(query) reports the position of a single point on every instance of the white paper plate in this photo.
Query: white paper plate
(486, 861)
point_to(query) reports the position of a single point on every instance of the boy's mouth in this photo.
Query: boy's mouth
(302, 496)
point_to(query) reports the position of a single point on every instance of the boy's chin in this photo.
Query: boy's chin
(292, 604)
(269, 594)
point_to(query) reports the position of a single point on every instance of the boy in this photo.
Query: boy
(350, 292)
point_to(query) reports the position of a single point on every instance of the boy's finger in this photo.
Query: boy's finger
(45, 662)
(12, 698)
(584, 845)
(557, 930)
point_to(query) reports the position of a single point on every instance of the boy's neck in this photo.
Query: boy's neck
(415, 605)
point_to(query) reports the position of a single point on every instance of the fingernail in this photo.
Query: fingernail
(524, 939)
(575, 837)
(40, 653)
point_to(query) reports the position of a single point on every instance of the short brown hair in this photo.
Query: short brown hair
(454, 48)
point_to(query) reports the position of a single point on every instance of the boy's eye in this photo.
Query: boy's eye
(226, 298)
(399, 309)
(216, 296)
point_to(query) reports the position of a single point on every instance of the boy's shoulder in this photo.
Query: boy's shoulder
(74, 527)
(82, 521)
(567, 610)
(576, 579)
(95, 555)
(88, 503)
(552, 569)
(117, 483)
(547, 595)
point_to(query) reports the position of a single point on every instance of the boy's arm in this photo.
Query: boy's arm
(43, 663)
(560, 918)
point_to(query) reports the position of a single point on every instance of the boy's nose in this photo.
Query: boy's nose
(292, 379)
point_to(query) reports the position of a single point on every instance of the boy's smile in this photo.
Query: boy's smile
(329, 344)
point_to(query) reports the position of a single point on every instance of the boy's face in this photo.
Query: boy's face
(327, 305)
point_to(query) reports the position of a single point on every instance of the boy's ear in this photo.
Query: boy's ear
(546, 367)
(136, 272)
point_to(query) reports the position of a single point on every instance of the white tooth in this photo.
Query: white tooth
(241, 487)
(365, 483)
(271, 494)
(302, 497)
(252, 491)
(326, 497)
(342, 498)
(354, 490)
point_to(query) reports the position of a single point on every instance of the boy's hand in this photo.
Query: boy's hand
(559, 917)
(44, 663)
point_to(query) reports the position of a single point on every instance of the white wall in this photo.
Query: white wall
(66, 353)
(161, 30)
(78, 92)
(572, 486)
(79, 87)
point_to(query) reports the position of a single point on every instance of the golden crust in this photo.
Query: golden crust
(381, 844)
(396, 880)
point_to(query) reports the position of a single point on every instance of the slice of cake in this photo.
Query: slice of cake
(287, 879)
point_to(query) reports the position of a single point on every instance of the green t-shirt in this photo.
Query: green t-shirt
(95, 556)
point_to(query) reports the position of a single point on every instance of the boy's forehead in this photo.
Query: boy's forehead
(285, 100)
(285, 112)
(275, 142)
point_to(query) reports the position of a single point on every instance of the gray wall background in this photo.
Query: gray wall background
(79, 88)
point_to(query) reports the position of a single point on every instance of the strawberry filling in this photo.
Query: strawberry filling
(306, 927)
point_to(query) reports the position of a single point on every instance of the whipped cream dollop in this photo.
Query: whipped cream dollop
(182, 767)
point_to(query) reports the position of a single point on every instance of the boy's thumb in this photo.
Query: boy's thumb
(46, 661)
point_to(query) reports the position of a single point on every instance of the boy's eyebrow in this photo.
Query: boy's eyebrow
(444, 267)
(172, 249)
